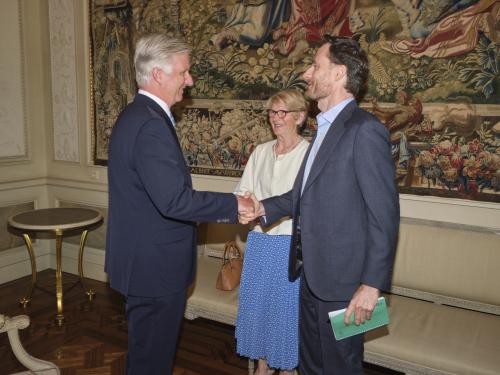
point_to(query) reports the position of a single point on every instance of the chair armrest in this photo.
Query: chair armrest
(12, 327)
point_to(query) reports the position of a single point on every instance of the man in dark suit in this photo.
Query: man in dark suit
(153, 209)
(345, 211)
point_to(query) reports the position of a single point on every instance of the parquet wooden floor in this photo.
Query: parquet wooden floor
(93, 340)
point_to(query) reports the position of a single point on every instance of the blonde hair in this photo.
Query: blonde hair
(293, 100)
(156, 51)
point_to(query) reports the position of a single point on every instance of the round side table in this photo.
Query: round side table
(56, 221)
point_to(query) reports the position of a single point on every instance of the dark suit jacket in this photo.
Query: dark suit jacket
(349, 209)
(151, 238)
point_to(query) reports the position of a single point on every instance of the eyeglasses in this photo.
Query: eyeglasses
(280, 113)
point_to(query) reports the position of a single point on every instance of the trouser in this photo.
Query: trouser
(320, 352)
(153, 330)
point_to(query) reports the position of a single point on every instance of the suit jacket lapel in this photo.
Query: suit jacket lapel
(155, 107)
(168, 123)
(170, 126)
(300, 174)
(332, 137)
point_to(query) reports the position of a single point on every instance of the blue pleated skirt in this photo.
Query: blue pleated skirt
(268, 312)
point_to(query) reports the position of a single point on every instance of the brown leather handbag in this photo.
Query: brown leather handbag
(232, 264)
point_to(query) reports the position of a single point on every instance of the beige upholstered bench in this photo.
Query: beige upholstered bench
(444, 306)
(204, 300)
(445, 303)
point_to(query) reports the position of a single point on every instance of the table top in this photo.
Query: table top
(60, 218)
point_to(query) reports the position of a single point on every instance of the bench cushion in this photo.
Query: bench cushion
(205, 301)
(441, 339)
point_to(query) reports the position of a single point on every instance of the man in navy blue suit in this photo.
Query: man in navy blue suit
(153, 209)
(345, 211)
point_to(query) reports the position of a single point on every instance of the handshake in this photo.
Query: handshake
(249, 208)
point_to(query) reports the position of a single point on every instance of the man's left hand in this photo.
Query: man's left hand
(362, 304)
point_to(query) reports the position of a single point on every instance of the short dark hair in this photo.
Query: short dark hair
(347, 51)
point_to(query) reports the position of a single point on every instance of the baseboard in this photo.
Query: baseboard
(15, 262)
(93, 262)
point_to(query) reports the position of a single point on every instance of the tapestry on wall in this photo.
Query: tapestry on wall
(434, 78)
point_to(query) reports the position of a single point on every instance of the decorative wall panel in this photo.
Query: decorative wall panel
(96, 237)
(13, 143)
(8, 240)
(64, 103)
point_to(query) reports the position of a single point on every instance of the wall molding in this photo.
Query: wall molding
(13, 119)
(451, 210)
(436, 209)
(448, 225)
(93, 261)
(24, 183)
(64, 88)
(15, 262)
(77, 184)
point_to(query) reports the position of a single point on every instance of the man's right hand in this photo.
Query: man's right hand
(249, 208)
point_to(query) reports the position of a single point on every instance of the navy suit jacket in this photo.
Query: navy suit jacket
(153, 209)
(349, 209)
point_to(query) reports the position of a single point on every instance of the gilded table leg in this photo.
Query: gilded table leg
(59, 288)
(88, 291)
(24, 301)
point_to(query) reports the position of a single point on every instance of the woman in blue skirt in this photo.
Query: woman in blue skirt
(267, 322)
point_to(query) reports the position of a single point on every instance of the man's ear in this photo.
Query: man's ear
(341, 72)
(156, 74)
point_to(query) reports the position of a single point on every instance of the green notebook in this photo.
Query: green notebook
(379, 318)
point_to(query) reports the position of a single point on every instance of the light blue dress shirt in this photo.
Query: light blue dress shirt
(324, 120)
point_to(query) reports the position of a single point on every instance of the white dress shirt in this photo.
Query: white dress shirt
(324, 120)
(160, 102)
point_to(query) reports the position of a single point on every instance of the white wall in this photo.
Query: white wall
(55, 171)
(24, 178)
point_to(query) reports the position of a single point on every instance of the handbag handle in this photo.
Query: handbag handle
(231, 248)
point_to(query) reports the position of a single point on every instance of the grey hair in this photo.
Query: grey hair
(156, 51)
(293, 100)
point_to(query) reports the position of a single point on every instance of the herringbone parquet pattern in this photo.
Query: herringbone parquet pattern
(93, 341)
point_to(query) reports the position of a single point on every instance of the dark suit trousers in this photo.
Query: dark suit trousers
(153, 330)
(320, 353)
